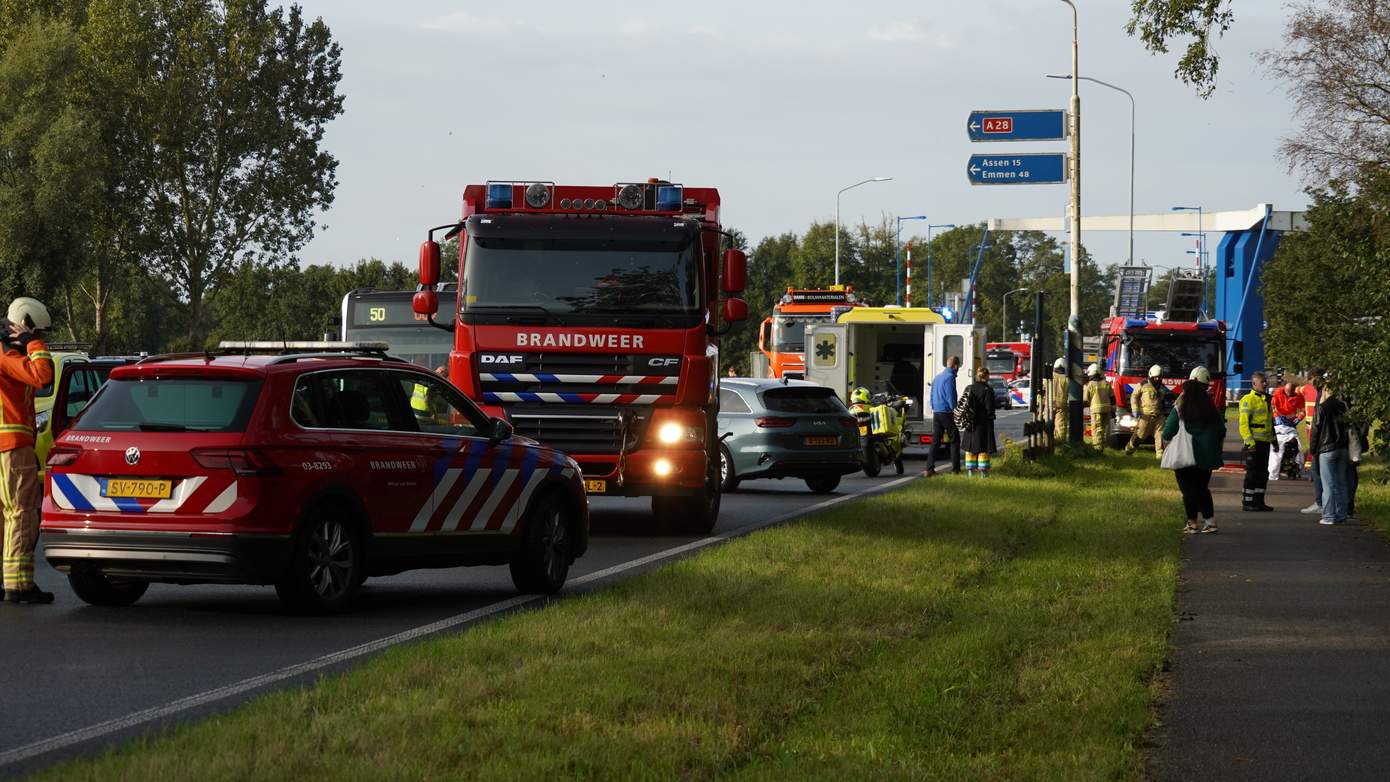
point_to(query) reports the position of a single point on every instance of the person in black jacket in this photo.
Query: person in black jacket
(1329, 446)
(978, 441)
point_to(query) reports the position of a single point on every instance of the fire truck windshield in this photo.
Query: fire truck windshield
(789, 332)
(578, 271)
(1000, 363)
(1178, 355)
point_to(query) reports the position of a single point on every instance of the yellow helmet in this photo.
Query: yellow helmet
(859, 396)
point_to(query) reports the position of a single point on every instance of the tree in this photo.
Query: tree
(1159, 22)
(215, 112)
(49, 184)
(1336, 58)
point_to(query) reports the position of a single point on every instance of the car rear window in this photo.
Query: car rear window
(171, 405)
(802, 400)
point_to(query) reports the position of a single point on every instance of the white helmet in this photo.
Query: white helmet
(1060, 364)
(29, 313)
(1201, 375)
(1093, 370)
(1155, 371)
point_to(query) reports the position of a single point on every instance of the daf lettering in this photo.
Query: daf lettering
(487, 359)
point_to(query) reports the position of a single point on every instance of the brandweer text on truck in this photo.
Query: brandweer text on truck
(591, 316)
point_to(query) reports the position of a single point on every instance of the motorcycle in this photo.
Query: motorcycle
(882, 424)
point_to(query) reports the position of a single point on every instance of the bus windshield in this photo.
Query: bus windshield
(386, 316)
(583, 270)
(1178, 355)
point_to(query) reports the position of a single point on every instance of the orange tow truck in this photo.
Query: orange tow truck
(782, 337)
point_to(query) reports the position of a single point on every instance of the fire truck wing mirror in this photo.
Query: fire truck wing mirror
(735, 271)
(429, 264)
(425, 303)
(735, 310)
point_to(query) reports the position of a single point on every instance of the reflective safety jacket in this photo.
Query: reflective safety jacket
(1057, 392)
(21, 374)
(1256, 418)
(1146, 400)
(1100, 397)
(427, 406)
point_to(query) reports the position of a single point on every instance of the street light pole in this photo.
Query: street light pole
(1004, 315)
(1074, 318)
(897, 253)
(929, 227)
(1129, 95)
(837, 217)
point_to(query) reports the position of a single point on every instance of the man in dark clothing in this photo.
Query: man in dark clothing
(943, 402)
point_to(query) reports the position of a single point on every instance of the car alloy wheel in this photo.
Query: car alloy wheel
(331, 559)
(554, 545)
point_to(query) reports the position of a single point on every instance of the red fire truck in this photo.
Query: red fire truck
(1129, 346)
(1008, 360)
(591, 316)
(782, 337)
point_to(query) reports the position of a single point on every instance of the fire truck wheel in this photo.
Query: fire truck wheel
(543, 562)
(98, 590)
(323, 577)
(694, 515)
(728, 478)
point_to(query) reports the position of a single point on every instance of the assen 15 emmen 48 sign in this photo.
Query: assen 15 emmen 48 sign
(1020, 169)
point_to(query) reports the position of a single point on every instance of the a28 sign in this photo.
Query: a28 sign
(1017, 125)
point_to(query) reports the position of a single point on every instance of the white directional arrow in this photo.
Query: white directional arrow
(974, 169)
(974, 125)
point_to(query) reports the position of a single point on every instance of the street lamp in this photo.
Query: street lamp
(897, 253)
(1004, 315)
(1201, 237)
(929, 227)
(837, 218)
(1131, 151)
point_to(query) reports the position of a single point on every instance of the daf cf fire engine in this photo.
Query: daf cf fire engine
(1129, 346)
(782, 337)
(1008, 360)
(591, 316)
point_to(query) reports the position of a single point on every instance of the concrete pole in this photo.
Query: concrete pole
(1074, 319)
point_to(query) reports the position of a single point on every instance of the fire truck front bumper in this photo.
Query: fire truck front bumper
(645, 473)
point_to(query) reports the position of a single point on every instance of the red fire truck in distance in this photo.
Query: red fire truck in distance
(1129, 346)
(591, 316)
(1008, 360)
(782, 337)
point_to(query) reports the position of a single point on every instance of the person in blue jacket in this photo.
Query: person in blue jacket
(943, 402)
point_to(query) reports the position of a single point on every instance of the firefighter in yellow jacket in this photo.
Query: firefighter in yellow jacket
(1100, 397)
(25, 367)
(1146, 405)
(1056, 393)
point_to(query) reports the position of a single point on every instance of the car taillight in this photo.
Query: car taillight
(242, 461)
(773, 422)
(62, 456)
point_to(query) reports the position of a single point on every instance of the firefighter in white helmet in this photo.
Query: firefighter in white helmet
(25, 367)
(1146, 405)
(1101, 399)
(1057, 399)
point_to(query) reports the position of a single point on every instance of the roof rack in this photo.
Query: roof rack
(290, 350)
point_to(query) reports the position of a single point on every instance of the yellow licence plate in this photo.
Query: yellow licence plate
(596, 487)
(822, 441)
(138, 488)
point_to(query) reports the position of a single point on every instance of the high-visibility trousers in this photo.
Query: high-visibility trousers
(1059, 425)
(20, 496)
(1100, 426)
(1147, 426)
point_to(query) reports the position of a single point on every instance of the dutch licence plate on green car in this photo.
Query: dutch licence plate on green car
(822, 441)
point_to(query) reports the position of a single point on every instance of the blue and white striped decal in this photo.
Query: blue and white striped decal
(84, 493)
(503, 397)
(545, 377)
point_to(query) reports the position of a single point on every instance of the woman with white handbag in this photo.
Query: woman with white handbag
(1194, 432)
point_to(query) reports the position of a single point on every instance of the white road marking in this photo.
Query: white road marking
(173, 708)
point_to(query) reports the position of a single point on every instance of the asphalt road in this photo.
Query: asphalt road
(80, 677)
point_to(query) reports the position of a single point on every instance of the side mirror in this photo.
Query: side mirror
(429, 263)
(735, 271)
(425, 303)
(501, 431)
(735, 310)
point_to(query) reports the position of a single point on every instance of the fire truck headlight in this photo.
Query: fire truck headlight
(673, 433)
(662, 468)
(630, 196)
(537, 195)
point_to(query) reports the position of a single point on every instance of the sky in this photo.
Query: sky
(779, 104)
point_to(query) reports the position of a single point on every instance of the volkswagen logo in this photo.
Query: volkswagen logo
(132, 455)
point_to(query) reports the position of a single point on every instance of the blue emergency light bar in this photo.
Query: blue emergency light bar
(499, 195)
(669, 198)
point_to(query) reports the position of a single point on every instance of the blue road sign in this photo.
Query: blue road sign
(1033, 169)
(1025, 125)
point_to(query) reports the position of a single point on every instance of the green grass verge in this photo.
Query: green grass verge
(1001, 629)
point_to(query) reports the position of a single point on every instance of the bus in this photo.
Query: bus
(386, 316)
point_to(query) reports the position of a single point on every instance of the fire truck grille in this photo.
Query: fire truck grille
(589, 430)
(578, 379)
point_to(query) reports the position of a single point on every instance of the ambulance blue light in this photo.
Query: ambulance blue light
(948, 313)
(499, 196)
(669, 198)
